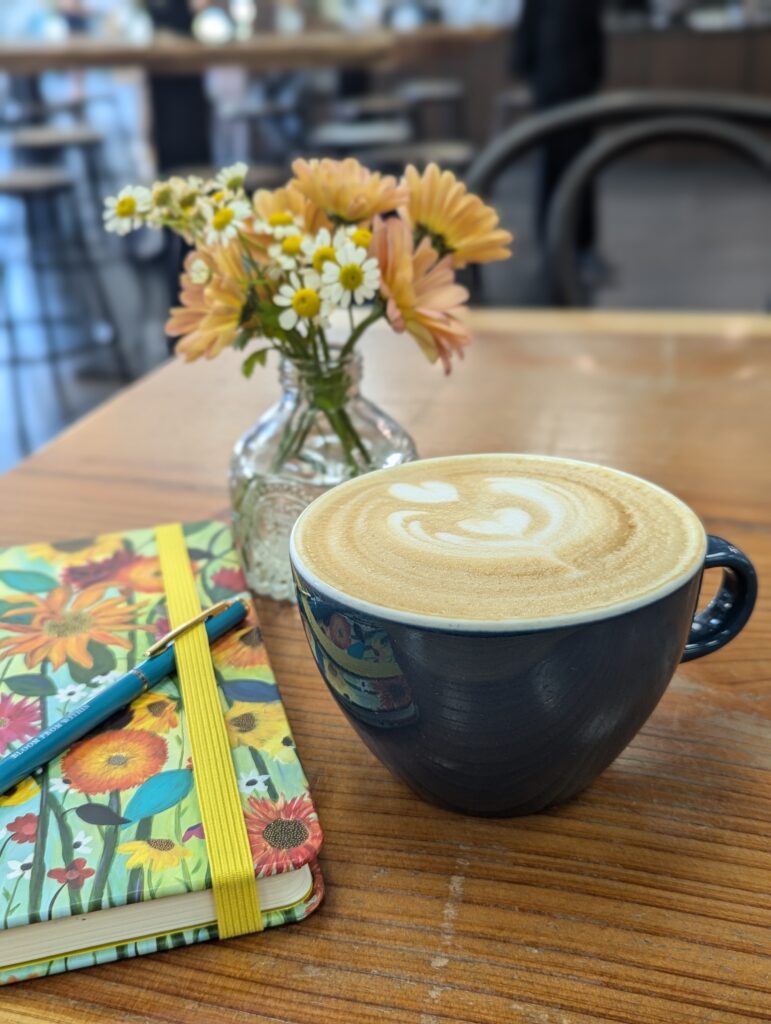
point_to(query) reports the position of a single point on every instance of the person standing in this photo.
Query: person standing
(560, 51)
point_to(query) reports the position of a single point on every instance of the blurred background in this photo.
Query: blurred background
(624, 143)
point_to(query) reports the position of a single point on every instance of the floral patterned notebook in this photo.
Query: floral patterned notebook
(115, 820)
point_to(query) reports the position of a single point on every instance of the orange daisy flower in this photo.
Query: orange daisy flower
(283, 835)
(62, 626)
(346, 190)
(456, 221)
(420, 291)
(116, 759)
(242, 648)
(214, 289)
(285, 206)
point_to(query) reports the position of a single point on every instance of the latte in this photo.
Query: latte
(494, 538)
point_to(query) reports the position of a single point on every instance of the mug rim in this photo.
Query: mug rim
(442, 623)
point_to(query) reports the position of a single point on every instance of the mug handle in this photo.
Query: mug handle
(729, 609)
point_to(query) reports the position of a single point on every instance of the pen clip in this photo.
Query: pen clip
(160, 645)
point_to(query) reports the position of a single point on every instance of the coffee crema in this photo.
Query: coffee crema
(499, 538)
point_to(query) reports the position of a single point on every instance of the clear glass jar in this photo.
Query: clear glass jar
(321, 432)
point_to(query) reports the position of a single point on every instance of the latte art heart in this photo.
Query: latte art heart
(499, 537)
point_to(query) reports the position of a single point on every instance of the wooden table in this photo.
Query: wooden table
(644, 901)
(171, 54)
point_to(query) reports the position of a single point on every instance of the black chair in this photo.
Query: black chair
(602, 111)
(607, 109)
(564, 284)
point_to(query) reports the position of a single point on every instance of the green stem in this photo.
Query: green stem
(338, 427)
(2, 848)
(324, 346)
(110, 841)
(259, 764)
(136, 877)
(38, 873)
(10, 901)
(378, 310)
(354, 436)
(178, 831)
(53, 900)
(68, 852)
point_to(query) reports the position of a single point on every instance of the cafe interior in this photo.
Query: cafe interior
(626, 147)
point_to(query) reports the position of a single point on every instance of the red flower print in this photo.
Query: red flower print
(339, 631)
(162, 627)
(74, 875)
(24, 828)
(230, 579)
(282, 835)
(19, 720)
(195, 831)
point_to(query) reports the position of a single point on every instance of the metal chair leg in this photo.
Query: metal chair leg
(101, 296)
(14, 367)
(35, 215)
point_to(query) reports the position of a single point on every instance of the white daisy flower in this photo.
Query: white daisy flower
(353, 278)
(287, 253)
(18, 868)
(253, 782)
(81, 844)
(232, 178)
(359, 236)
(59, 785)
(320, 249)
(302, 303)
(224, 222)
(107, 678)
(75, 691)
(278, 224)
(123, 213)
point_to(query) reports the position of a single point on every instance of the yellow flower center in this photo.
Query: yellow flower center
(222, 218)
(362, 237)
(306, 302)
(291, 245)
(285, 833)
(351, 277)
(163, 196)
(126, 207)
(164, 845)
(218, 197)
(235, 182)
(68, 624)
(245, 722)
(323, 255)
(188, 200)
(281, 219)
(4, 722)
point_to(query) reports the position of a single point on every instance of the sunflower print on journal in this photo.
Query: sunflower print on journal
(116, 818)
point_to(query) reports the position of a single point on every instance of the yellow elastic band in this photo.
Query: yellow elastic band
(227, 844)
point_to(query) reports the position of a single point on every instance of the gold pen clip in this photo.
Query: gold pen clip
(170, 637)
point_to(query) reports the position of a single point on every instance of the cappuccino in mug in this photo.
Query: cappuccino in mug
(500, 538)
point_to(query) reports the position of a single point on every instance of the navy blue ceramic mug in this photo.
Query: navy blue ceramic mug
(501, 639)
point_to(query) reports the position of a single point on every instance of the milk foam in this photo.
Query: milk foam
(499, 537)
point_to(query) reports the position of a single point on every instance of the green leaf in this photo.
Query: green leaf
(28, 582)
(104, 662)
(12, 606)
(248, 365)
(31, 686)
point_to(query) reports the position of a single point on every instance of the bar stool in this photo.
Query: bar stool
(342, 137)
(41, 192)
(450, 154)
(422, 94)
(48, 143)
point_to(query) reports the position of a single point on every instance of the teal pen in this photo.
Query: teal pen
(159, 664)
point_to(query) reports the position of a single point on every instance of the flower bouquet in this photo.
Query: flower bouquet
(304, 271)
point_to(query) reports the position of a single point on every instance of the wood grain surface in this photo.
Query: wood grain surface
(171, 54)
(646, 900)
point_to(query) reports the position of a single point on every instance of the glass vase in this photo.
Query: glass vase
(321, 432)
